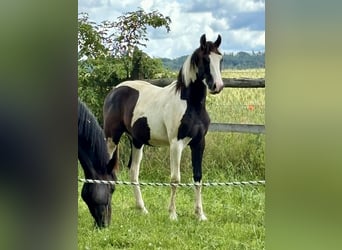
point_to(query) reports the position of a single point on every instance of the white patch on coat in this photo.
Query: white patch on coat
(162, 107)
(189, 72)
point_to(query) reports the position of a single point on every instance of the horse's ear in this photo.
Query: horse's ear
(218, 41)
(203, 42)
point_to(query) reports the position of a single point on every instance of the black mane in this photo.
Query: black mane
(91, 138)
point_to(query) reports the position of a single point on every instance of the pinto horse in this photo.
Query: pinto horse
(174, 116)
(94, 158)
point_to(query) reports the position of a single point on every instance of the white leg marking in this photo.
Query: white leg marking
(198, 202)
(176, 148)
(172, 207)
(135, 166)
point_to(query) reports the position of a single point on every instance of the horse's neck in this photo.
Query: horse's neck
(195, 94)
(88, 175)
(88, 162)
(88, 170)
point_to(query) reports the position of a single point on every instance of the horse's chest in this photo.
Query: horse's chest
(194, 124)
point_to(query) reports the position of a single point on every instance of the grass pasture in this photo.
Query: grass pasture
(235, 214)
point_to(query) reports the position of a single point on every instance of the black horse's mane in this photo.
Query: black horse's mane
(91, 134)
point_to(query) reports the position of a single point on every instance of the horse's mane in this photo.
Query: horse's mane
(90, 132)
(187, 73)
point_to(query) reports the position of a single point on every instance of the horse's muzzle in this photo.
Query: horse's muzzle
(216, 89)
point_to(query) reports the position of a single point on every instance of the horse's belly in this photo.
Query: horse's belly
(160, 111)
(158, 136)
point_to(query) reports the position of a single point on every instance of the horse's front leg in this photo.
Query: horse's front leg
(197, 150)
(134, 170)
(176, 148)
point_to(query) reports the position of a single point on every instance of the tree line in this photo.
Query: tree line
(240, 60)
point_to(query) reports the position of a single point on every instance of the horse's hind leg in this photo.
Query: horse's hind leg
(134, 170)
(111, 147)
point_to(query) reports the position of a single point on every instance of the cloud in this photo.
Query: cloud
(241, 23)
(250, 20)
(244, 40)
(225, 6)
(248, 5)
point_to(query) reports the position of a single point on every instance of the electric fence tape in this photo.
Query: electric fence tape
(157, 184)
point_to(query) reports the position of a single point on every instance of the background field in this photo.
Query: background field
(235, 214)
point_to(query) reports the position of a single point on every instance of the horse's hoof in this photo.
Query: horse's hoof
(202, 217)
(173, 216)
(144, 210)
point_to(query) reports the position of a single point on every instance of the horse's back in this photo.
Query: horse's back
(148, 97)
(141, 86)
(136, 84)
(129, 94)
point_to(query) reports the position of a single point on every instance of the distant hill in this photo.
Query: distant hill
(240, 60)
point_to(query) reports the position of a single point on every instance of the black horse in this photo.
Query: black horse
(173, 116)
(94, 159)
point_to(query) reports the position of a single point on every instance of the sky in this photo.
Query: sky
(241, 23)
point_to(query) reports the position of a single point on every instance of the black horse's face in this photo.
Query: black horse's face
(98, 197)
(210, 66)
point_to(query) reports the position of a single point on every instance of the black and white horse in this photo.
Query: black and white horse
(174, 116)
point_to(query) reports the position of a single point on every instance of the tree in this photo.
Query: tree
(106, 53)
(132, 30)
(90, 41)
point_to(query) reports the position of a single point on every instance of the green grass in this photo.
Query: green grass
(235, 214)
(235, 221)
(236, 105)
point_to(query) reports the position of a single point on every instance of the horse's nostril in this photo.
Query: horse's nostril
(214, 86)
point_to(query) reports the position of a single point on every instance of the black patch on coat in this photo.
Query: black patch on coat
(195, 121)
(118, 112)
(141, 132)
